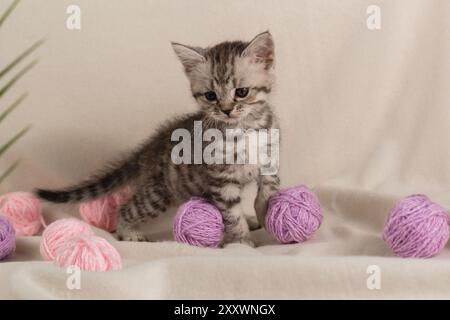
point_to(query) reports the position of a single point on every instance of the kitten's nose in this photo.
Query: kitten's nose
(227, 112)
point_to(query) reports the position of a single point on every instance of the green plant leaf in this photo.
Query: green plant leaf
(14, 105)
(8, 11)
(9, 84)
(17, 77)
(9, 171)
(14, 139)
(24, 54)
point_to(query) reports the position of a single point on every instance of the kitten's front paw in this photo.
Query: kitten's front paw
(131, 235)
(245, 241)
(253, 223)
(261, 211)
(248, 242)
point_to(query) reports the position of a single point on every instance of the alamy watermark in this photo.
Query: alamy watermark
(73, 281)
(373, 21)
(234, 146)
(73, 21)
(373, 281)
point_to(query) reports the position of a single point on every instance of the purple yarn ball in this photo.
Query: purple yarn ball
(293, 215)
(416, 228)
(199, 223)
(7, 238)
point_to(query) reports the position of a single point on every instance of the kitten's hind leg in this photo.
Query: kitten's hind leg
(148, 202)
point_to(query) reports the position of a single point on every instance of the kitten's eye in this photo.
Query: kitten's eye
(210, 96)
(241, 92)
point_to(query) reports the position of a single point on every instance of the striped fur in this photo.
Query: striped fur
(158, 182)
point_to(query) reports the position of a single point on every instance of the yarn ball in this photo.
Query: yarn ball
(198, 223)
(89, 253)
(7, 238)
(416, 227)
(293, 215)
(58, 233)
(24, 211)
(102, 213)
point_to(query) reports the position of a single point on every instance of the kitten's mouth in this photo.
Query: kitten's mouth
(229, 118)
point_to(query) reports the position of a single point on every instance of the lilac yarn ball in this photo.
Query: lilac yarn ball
(416, 228)
(198, 223)
(293, 215)
(7, 238)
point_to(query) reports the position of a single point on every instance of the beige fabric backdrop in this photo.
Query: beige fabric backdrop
(365, 118)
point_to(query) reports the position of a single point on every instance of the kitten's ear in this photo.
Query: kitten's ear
(188, 56)
(261, 49)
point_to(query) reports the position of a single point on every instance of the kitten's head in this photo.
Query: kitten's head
(231, 80)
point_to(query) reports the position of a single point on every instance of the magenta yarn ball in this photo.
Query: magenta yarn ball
(293, 215)
(416, 228)
(7, 238)
(199, 223)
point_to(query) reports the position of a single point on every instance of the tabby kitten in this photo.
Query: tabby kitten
(231, 83)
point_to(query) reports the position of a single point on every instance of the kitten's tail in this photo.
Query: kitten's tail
(111, 179)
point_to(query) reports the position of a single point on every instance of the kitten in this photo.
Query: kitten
(231, 82)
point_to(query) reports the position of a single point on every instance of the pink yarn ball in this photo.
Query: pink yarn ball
(416, 228)
(293, 215)
(58, 233)
(7, 238)
(24, 211)
(89, 253)
(198, 223)
(102, 213)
